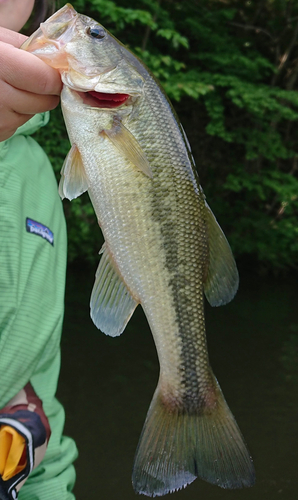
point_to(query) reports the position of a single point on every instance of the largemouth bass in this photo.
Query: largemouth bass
(163, 247)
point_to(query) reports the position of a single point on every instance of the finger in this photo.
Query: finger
(23, 102)
(25, 71)
(14, 120)
(12, 37)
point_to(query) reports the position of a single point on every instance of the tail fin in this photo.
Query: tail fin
(177, 447)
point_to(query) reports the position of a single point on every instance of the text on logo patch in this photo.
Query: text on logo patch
(32, 226)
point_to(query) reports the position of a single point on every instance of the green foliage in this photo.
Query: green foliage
(258, 232)
(118, 16)
(231, 70)
(174, 37)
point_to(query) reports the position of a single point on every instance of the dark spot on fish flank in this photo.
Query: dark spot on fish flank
(199, 401)
(165, 215)
(194, 355)
(171, 261)
(168, 231)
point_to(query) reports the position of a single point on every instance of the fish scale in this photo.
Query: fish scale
(163, 247)
(188, 245)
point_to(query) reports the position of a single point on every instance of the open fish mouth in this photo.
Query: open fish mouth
(103, 100)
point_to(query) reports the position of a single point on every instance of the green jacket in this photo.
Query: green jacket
(32, 280)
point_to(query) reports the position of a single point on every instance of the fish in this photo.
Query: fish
(163, 249)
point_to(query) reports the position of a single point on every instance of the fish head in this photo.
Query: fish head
(88, 57)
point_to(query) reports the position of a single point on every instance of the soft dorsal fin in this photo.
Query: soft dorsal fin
(128, 146)
(222, 278)
(111, 303)
(73, 180)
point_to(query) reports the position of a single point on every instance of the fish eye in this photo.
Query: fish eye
(96, 32)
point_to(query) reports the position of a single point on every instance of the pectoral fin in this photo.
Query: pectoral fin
(128, 146)
(73, 180)
(111, 303)
(222, 279)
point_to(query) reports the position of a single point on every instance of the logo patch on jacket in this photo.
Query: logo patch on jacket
(32, 226)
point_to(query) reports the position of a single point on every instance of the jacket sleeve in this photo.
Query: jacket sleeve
(24, 436)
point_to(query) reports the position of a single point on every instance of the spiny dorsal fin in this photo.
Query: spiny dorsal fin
(222, 279)
(111, 303)
(73, 180)
(128, 146)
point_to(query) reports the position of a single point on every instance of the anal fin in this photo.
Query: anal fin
(111, 302)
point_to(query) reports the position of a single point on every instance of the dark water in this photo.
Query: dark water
(106, 386)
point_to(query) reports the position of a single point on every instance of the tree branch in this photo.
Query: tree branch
(148, 28)
(285, 56)
(293, 77)
(249, 27)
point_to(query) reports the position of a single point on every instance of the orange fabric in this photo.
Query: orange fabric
(12, 452)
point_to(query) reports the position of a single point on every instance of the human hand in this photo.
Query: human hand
(27, 84)
(24, 436)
